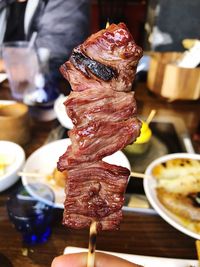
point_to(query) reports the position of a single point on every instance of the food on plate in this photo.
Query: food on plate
(178, 189)
(185, 207)
(142, 143)
(181, 175)
(103, 111)
(57, 178)
(5, 161)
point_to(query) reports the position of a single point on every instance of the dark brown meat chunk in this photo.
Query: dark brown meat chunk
(113, 47)
(95, 192)
(98, 140)
(103, 110)
(92, 105)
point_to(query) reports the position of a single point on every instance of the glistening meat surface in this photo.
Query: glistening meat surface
(97, 140)
(95, 192)
(103, 110)
(113, 47)
(105, 105)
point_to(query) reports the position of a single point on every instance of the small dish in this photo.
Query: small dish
(14, 122)
(150, 185)
(43, 162)
(12, 158)
(61, 114)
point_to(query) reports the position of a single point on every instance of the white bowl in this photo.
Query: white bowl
(17, 159)
(61, 113)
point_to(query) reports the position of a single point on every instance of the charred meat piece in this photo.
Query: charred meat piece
(87, 65)
(116, 50)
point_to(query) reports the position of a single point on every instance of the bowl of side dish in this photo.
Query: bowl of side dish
(14, 122)
(12, 158)
(172, 186)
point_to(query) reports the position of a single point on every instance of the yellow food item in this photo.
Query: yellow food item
(197, 243)
(142, 142)
(188, 43)
(178, 182)
(180, 175)
(145, 134)
(181, 206)
(58, 178)
(5, 161)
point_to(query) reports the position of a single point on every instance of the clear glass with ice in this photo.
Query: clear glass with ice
(22, 66)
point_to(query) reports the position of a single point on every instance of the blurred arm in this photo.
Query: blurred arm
(62, 26)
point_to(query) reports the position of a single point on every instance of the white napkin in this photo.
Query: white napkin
(146, 261)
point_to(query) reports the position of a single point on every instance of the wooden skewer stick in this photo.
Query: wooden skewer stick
(197, 243)
(140, 175)
(151, 116)
(32, 174)
(35, 175)
(92, 244)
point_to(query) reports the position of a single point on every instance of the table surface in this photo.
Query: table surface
(140, 233)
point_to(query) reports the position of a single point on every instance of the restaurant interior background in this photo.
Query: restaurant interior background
(158, 26)
(176, 18)
(174, 128)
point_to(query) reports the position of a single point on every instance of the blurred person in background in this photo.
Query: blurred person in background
(60, 25)
(169, 22)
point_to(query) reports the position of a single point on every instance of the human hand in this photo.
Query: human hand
(80, 260)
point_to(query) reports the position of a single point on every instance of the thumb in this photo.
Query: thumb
(80, 260)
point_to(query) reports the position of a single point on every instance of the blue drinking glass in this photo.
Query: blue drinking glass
(31, 216)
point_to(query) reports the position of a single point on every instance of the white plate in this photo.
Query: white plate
(150, 191)
(3, 77)
(146, 261)
(16, 155)
(44, 161)
(61, 114)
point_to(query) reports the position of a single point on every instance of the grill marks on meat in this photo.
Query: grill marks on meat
(87, 65)
(78, 221)
(97, 140)
(93, 105)
(112, 47)
(96, 192)
(103, 111)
